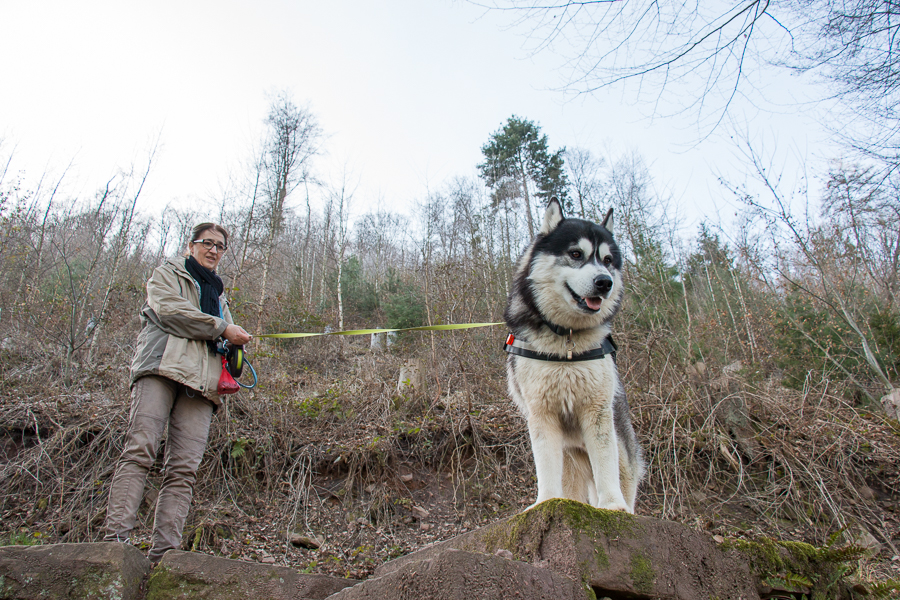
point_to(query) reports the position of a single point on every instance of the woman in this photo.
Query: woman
(174, 376)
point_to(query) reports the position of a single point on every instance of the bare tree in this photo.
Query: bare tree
(118, 249)
(819, 259)
(702, 56)
(654, 44)
(864, 213)
(641, 215)
(380, 240)
(342, 196)
(81, 254)
(856, 47)
(586, 179)
(293, 139)
(248, 225)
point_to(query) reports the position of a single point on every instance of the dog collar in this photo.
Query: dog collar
(556, 328)
(524, 349)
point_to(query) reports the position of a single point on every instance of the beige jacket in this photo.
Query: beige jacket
(174, 330)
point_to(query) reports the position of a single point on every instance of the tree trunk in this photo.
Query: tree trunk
(248, 228)
(120, 247)
(528, 215)
(274, 230)
(340, 297)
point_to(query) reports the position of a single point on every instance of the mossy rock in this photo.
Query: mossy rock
(621, 555)
(820, 573)
(613, 553)
(194, 576)
(89, 571)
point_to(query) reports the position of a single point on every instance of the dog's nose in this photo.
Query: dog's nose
(603, 283)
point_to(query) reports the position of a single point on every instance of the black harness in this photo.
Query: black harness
(524, 349)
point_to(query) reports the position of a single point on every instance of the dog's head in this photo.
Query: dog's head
(575, 273)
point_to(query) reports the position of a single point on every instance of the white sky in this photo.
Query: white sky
(407, 91)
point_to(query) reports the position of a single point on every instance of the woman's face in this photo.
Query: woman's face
(208, 257)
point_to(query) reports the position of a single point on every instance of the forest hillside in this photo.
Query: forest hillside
(761, 357)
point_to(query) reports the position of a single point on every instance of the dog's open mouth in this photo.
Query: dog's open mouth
(588, 303)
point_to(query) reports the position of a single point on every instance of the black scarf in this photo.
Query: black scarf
(211, 287)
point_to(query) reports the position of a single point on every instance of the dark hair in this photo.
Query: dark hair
(198, 229)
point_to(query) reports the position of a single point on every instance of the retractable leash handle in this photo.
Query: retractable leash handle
(235, 357)
(235, 361)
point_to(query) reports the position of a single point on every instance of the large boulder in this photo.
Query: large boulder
(612, 553)
(458, 575)
(193, 576)
(75, 571)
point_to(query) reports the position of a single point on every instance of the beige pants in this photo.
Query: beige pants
(157, 401)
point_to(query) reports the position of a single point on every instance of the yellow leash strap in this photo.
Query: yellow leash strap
(370, 331)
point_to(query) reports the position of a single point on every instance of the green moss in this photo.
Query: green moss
(525, 531)
(198, 536)
(642, 574)
(796, 565)
(163, 585)
(503, 535)
(768, 559)
(587, 519)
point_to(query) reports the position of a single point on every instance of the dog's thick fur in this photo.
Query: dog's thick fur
(578, 418)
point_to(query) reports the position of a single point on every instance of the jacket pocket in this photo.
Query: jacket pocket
(151, 345)
(180, 362)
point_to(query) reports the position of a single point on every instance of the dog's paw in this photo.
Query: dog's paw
(615, 506)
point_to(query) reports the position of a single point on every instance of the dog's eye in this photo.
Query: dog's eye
(607, 260)
(576, 254)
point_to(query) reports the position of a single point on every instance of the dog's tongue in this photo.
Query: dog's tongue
(593, 303)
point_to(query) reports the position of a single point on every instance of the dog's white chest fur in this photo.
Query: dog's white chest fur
(564, 389)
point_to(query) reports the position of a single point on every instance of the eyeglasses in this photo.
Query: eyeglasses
(210, 244)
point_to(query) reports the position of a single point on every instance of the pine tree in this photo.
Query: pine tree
(518, 165)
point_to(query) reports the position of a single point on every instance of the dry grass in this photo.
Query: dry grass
(328, 446)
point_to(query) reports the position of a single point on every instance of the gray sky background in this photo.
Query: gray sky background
(407, 91)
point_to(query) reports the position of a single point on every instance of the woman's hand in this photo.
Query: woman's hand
(236, 335)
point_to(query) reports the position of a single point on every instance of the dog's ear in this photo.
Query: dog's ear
(552, 217)
(608, 221)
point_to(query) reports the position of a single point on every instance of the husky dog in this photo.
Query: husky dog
(561, 369)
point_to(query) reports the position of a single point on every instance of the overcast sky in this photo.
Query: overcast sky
(407, 92)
